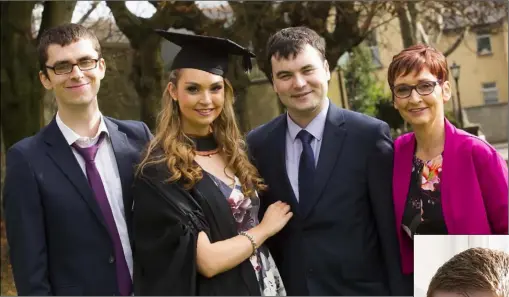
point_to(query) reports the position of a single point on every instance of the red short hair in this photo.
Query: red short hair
(415, 58)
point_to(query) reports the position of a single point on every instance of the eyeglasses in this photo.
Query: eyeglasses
(423, 88)
(83, 65)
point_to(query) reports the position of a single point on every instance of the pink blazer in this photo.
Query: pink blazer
(473, 182)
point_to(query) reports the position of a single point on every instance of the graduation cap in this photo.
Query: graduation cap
(206, 53)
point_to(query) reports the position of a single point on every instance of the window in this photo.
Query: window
(490, 93)
(483, 44)
(373, 47)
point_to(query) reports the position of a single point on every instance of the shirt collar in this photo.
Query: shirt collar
(315, 127)
(71, 136)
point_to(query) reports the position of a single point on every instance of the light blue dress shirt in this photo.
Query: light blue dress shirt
(294, 145)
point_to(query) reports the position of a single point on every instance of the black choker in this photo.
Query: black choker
(204, 145)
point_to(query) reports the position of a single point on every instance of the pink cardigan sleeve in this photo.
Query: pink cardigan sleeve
(491, 171)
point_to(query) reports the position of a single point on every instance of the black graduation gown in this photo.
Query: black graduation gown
(167, 220)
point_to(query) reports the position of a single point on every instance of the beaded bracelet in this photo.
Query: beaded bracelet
(253, 243)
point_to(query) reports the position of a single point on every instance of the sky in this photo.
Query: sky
(139, 8)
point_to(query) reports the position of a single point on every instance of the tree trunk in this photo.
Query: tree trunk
(21, 90)
(147, 68)
(89, 12)
(20, 87)
(240, 83)
(405, 23)
(56, 13)
(413, 14)
(147, 76)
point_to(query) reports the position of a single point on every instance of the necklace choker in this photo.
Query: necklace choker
(204, 145)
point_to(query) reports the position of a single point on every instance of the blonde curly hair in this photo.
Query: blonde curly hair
(179, 152)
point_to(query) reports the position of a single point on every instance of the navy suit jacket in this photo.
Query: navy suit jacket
(345, 242)
(59, 243)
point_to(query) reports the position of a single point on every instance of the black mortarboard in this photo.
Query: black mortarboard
(206, 53)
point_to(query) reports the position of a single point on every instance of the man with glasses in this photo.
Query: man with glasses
(66, 198)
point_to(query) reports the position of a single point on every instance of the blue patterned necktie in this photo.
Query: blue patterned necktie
(95, 182)
(306, 170)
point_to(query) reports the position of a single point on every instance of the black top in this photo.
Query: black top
(203, 143)
(423, 210)
(166, 222)
(206, 53)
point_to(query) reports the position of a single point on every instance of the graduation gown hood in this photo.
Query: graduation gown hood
(167, 219)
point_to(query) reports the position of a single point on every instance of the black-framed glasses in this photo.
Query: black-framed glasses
(423, 88)
(83, 65)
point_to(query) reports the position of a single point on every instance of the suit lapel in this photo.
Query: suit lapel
(332, 143)
(124, 163)
(61, 153)
(277, 161)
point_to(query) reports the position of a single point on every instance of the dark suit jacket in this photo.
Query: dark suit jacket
(59, 243)
(345, 243)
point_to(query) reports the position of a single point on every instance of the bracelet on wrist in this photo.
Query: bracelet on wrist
(253, 243)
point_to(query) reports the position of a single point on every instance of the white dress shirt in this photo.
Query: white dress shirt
(108, 170)
(294, 145)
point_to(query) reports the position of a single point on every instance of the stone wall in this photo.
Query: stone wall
(493, 119)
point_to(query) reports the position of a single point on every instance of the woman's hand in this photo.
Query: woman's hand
(275, 218)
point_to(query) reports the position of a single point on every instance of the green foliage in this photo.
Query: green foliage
(366, 93)
(450, 116)
(387, 113)
(363, 89)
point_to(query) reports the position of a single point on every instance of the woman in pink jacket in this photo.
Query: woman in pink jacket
(445, 180)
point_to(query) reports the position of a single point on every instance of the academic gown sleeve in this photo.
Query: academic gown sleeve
(166, 221)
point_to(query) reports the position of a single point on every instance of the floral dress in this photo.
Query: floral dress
(245, 211)
(423, 210)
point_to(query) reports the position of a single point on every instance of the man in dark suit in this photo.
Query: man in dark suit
(67, 195)
(334, 167)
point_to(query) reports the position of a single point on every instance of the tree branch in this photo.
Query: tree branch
(346, 33)
(405, 25)
(413, 14)
(154, 3)
(456, 43)
(369, 18)
(89, 12)
(180, 15)
(126, 21)
(316, 15)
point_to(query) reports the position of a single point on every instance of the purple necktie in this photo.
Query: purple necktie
(95, 182)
